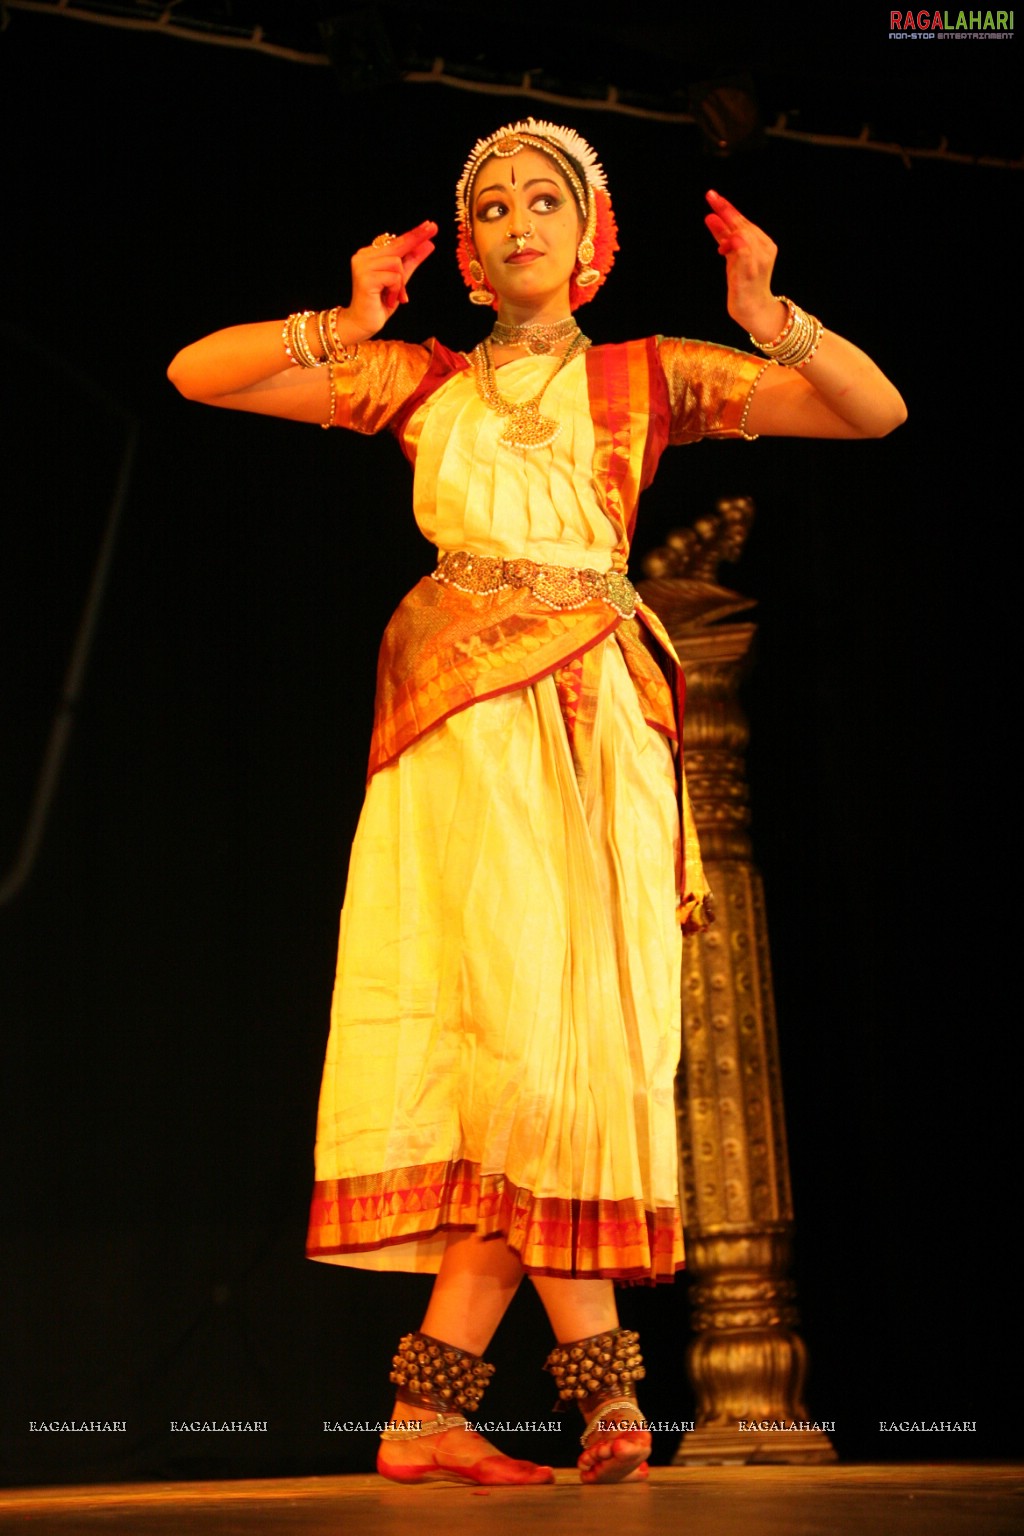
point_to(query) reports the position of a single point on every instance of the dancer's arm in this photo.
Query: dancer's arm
(245, 366)
(839, 392)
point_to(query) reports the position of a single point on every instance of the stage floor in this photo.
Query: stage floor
(946, 1500)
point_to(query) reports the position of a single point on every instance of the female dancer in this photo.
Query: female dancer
(497, 1097)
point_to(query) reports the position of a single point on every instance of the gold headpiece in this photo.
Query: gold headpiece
(551, 140)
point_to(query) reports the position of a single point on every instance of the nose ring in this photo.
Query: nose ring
(521, 240)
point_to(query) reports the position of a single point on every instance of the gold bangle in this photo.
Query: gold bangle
(345, 351)
(296, 341)
(328, 332)
(293, 344)
(803, 346)
(332, 331)
(815, 344)
(770, 346)
(305, 351)
(321, 329)
(288, 339)
(797, 343)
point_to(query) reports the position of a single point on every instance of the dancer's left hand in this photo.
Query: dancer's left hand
(749, 261)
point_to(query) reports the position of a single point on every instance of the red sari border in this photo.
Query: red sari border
(577, 1239)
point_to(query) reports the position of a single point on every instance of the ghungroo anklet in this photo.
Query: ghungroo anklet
(604, 1363)
(429, 1371)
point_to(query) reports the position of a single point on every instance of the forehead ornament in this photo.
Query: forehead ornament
(552, 140)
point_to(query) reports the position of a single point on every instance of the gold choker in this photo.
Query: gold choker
(540, 339)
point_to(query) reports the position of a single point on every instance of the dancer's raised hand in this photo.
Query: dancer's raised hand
(381, 272)
(749, 261)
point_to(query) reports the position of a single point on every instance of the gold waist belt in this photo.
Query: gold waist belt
(557, 586)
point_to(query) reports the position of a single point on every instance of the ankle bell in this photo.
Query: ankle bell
(439, 1375)
(603, 1364)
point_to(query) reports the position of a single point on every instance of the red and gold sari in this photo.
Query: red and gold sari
(505, 1023)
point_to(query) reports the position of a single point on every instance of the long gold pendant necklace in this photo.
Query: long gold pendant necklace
(524, 426)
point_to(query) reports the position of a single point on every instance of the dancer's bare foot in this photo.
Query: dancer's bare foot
(447, 1450)
(613, 1451)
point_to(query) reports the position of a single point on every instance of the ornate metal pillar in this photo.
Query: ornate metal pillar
(746, 1360)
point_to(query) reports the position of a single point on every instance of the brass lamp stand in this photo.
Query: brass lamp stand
(746, 1360)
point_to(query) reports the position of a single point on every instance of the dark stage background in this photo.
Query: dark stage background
(167, 966)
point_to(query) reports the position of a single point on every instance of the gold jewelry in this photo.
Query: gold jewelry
(335, 350)
(787, 326)
(752, 437)
(800, 362)
(299, 352)
(333, 396)
(798, 340)
(479, 294)
(556, 586)
(524, 427)
(332, 331)
(585, 255)
(552, 140)
(429, 1371)
(338, 350)
(323, 331)
(521, 240)
(380, 241)
(296, 343)
(540, 339)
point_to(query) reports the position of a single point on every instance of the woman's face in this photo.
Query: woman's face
(526, 195)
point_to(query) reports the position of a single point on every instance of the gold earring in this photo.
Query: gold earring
(478, 294)
(587, 275)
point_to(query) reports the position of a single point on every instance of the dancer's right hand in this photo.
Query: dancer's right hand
(380, 274)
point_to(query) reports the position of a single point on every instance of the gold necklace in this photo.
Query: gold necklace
(540, 339)
(524, 427)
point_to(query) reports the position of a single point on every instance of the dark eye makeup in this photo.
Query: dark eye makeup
(542, 202)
